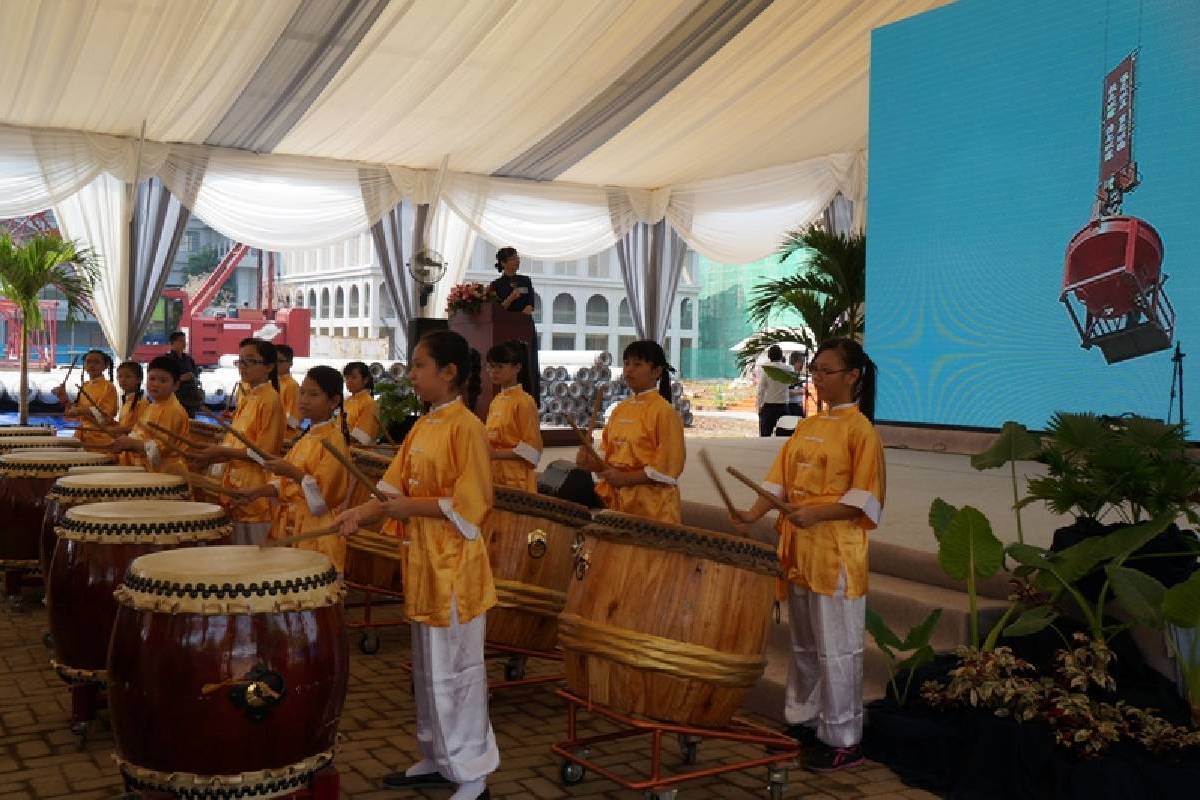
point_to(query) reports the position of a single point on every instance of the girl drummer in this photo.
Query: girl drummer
(512, 421)
(643, 447)
(830, 473)
(145, 445)
(260, 418)
(310, 482)
(99, 390)
(362, 413)
(133, 405)
(441, 486)
(289, 390)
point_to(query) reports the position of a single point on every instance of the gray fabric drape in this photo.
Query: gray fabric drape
(651, 258)
(839, 215)
(155, 231)
(394, 250)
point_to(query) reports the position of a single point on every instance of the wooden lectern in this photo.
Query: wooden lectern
(490, 326)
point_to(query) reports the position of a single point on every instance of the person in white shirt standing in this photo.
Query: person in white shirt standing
(772, 401)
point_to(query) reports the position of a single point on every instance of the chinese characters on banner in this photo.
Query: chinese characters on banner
(1116, 121)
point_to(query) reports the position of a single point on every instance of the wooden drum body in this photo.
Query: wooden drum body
(96, 545)
(531, 553)
(227, 671)
(26, 476)
(75, 489)
(667, 621)
(373, 561)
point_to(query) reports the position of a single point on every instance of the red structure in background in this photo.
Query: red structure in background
(210, 337)
(42, 342)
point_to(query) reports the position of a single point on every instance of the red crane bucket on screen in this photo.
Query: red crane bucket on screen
(1113, 288)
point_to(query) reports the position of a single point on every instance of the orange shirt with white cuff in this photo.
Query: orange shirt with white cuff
(513, 423)
(170, 415)
(362, 417)
(104, 393)
(259, 417)
(314, 501)
(289, 396)
(645, 433)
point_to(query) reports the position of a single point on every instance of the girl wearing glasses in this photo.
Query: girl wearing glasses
(830, 473)
(643, 441)
(261, 419)
(513, 423)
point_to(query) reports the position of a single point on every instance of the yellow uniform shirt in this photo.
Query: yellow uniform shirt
(834, 457)
(133, 408)
(314, 502)
(171, 415)
(513, 424)
(362, 417)
(645, 433)
(105, 394)
(259, 417)
(445, 456)
(289, 396)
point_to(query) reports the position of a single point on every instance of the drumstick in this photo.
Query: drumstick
(172, 435)
(207, 484)
(778, 504)
(371, 455)
(597, 403)
(71, 369)
(251, 446)
(329, 530)
(356, 472)
(96, 406)
(710, 468)
(586, 442)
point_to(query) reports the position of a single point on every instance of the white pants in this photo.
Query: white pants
(250, 532)
(825, 681)
(450, 681)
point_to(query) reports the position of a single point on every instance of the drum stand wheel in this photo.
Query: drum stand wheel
(368, 642)
(514, 668)
(48, 640)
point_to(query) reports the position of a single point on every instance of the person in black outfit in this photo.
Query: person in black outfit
(515, 293)
(189, 393)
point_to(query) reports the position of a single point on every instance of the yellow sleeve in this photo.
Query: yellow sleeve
(270, 425)
(529, 424)
(471, 499)
(107, 400)
(332, 478)
(669, 451)
(289, 395)
(867, 474)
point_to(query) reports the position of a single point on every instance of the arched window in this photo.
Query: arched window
(685, 314)
(325, 303)
(624, 318)
(366, 299)
(299, 301)
(564, 309)
(312, 300)
(385, 302)
(339, 303)
(597, 311)
(354, 300)
(537, 308)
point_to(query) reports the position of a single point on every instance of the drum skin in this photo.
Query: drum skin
(644, 583)
(522, 569)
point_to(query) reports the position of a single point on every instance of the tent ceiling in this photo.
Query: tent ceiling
(408, 81)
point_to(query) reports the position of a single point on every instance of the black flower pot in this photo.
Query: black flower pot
(398, 429)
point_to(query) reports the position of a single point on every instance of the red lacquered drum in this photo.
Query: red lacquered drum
(532, 563)
(97, 543)
(227, 671)
(103, 487)
(25, 478)
(667, 621)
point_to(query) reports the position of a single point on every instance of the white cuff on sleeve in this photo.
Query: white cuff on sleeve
(152, 454)
(293, 422)
(312, 495)
(775, 489)
(360, 436)
(387, 488)
(861, 498)
(255, 457)
(527, 452)
(468, 530)
(658, 477)
(96, 415)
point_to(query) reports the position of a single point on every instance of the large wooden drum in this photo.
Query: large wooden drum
(111, 468)
(26, 430)
(49, 442)
(97, 543)
(227, 671)
(25, 478)
(667, 621)
(103, 487)
(532, 563)
(373, 561)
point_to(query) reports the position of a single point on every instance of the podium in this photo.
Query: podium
(490, 326)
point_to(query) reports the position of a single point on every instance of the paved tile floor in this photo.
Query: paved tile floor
(41, 758)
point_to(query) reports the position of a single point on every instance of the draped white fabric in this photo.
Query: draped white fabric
(454, 239)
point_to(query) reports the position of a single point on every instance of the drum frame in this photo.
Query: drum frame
(782, 750)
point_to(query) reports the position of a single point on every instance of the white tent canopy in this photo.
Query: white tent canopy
(290, 124)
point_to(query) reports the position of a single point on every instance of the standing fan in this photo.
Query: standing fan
(426, 268)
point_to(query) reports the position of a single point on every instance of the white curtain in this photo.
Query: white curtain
(454, 239)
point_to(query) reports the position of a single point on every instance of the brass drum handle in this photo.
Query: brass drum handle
(537, 543)
(257, 692)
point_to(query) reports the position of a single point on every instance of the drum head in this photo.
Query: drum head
(45, 461)
(737, 551)
(112, 468)
(101, 482)
(8, 443)
(26, 430)
(162, 523)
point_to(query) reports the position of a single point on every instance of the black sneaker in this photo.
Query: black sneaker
(823, 758)
(806, 735)
(430, 780)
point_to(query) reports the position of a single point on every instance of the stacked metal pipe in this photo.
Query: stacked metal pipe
(569, 388)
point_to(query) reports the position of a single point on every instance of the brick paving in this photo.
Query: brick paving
(41, 758)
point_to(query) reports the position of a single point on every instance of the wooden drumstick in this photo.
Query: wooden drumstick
(371, 455)
(710, 468)
(353, 469)
(178, 437)
(778, 504)
(251, 446)
(96, 406)
(71, 369)
(208, 484)
(597, 404)
(586, 441)
(319, 533)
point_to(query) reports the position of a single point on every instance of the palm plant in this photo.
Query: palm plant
(829, 295)
(44, 261)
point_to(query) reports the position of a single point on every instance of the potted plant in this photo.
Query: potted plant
(399, 408)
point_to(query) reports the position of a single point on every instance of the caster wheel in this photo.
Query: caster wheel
(571, 773)
(776, 782)
(81, 729)
(514, 669)
(368, 643)
(48, 640)
(777, 790)
(689, 748)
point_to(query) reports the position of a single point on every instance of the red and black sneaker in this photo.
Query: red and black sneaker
(823, 758)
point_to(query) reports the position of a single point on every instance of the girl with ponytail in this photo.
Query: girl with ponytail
(310, 483)
(261, 419)
(361, 411)
(513, 423)
(102, 392)
(129, 379)
(441, 488)
(830, 473)
(642, 444)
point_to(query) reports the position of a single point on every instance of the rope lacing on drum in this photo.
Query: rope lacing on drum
(138, 583)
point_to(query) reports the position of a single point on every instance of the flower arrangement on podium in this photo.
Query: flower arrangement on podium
(469, 297)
